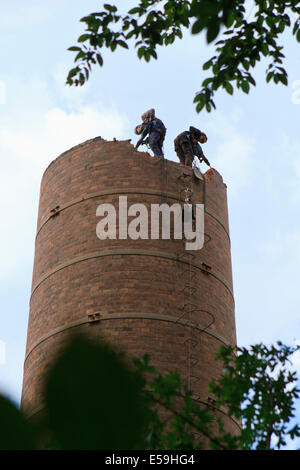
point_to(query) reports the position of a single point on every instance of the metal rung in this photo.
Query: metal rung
(193, 342)
(195, 378)
(209, 238)
(189, 272)
(189, 192)
(188, 290)
(184, 176)
(194, 360)
(186, 253)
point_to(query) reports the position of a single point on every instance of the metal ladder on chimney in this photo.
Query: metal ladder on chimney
(190, 312)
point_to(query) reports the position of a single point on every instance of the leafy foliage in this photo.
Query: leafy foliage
(15, 432)
(259, 388)
(96, 399)
(154, 23)
(177, 421)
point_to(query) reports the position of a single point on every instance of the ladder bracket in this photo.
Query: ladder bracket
(55, 211)
(94, 317)
(206, 268)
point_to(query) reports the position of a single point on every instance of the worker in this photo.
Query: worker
(187, 146)
(155, 129)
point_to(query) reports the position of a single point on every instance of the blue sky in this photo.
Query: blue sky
(253, 141)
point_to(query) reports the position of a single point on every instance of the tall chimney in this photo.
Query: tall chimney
(144, 296)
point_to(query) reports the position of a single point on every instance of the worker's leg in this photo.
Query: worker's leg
(180, 155)
(155, 143)
(188, 154)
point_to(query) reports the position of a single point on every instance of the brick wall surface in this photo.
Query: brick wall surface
(139, 290)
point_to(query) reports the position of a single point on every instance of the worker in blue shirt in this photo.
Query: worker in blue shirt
(155, 129)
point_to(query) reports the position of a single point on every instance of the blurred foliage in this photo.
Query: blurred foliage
(15, 432)
(259, 388)
(95, 398)
(94, 401)
(242, 41)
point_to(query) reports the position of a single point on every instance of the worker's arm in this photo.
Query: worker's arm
(143, 135)
(199, 153)
(205, 160)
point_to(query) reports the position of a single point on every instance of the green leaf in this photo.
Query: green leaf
(265, 49)
(245, 87)
(207, 64)
(199, 107)
(80, 55)
(199, 97)
(81, 79)
(229, 88)
(212, 32)
(135, 10)
(269, 76)
(251, 80)
(197, 27)
(84, 37)
(73, 72)
(270, 21)
(99, 59)
(141, 52)
(283, 79)
(74, 48)
(122, 43)
(246, 64)
(110, 8)
(206, 82)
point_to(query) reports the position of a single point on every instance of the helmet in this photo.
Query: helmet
(195, 133)
(148, 116)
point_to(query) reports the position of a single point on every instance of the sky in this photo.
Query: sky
(253, 141)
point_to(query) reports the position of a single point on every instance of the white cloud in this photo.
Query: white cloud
(234, 154)
(27, 14)
(25, 155)
(73, 128)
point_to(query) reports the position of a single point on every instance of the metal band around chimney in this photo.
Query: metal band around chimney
(111, 192)
(222, 410)
(127, 315)
(129, 252)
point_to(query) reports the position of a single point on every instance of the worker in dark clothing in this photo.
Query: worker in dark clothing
(155, 130)
(187, 146)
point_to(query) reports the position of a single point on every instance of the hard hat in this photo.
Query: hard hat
(148, 115)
